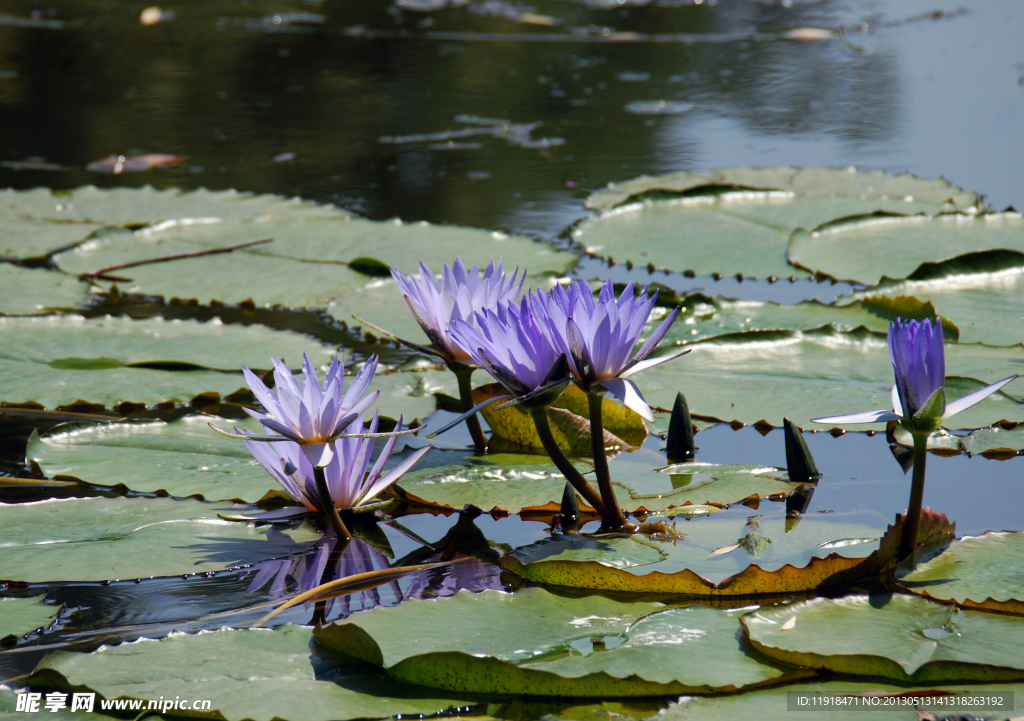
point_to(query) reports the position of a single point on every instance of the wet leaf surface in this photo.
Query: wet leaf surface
(246, 674)
(34, 291)
(904, 638)
(979, 572)
(21, 616)
(100, 539)
(563, 646)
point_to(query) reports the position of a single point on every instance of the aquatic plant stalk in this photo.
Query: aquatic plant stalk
(543, 426)
(327, 504)
(613, 517)
(908, 544)
(464, 374)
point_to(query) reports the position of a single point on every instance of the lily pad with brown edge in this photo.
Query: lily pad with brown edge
(900, 637)
(568, 415)
(100, 539)
(827, 700)
(712, 560)
(813, 373)
(577, 647)
(869, 248)
(977, 572)
(253, 674)
(738, 220)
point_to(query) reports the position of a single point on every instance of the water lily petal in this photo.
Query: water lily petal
(866, 417)
(962, 404)
(627, 392)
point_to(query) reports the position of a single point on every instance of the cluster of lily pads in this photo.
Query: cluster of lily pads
(135, 316)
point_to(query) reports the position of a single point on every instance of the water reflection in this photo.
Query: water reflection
(225, 87)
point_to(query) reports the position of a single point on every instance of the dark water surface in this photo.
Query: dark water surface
(378, 106)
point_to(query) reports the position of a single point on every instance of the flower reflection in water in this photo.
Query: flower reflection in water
(297, 574)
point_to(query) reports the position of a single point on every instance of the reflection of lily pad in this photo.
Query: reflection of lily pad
(981, 572)
(904, 638)
(589, 646)
(98, 539)
(866, 249)
(994, 442)
(804, 375)
(246, 674)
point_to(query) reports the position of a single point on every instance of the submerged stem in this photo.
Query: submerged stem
(613, 518)
(464, 373)
(327, 504)
(540, 421)
(909, 542)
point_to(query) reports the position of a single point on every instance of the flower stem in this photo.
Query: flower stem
(540, 420)
(464, 373)
(327, 504)
(909, 542)
(613, 518)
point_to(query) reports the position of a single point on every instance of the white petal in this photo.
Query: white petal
(865, 417)
(897, 407)
(962, 404)
(319, 454)
(627, 392)
(651, 362)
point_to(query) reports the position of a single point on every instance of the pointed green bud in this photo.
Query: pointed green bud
(570, 521)
(799, 461)
(929, 416)
(679, 442)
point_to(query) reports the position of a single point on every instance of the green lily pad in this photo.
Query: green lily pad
(766, 375)
(994, 442)
(19, 616)
(245, 674)
(26, 238)
(904, 638)
(225, 277)
(811, 181)
(589, 646)
(411, 393)
(866, 700)
(739, 219)
(714, 556)
(127, 207)
(57, 359)
(317, 251)
(34, 291)
(183, 458)
(981, 572)
(866, 249)
(703, 317)
(980, 291)
(98, 539)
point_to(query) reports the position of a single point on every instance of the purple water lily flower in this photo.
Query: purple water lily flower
(919, 364)
(511, 345)
(312, 415)
(348, 481)
(459, 295)
(599, 336)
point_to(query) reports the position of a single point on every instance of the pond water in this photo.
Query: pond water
(504, 116)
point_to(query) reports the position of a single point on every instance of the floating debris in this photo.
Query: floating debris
(518, 134)
(33, 21)
(117, 164)
(29, 165)
(154, 14)
(284, 157)
(808, 34)
(633, 77)
(657, 107)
